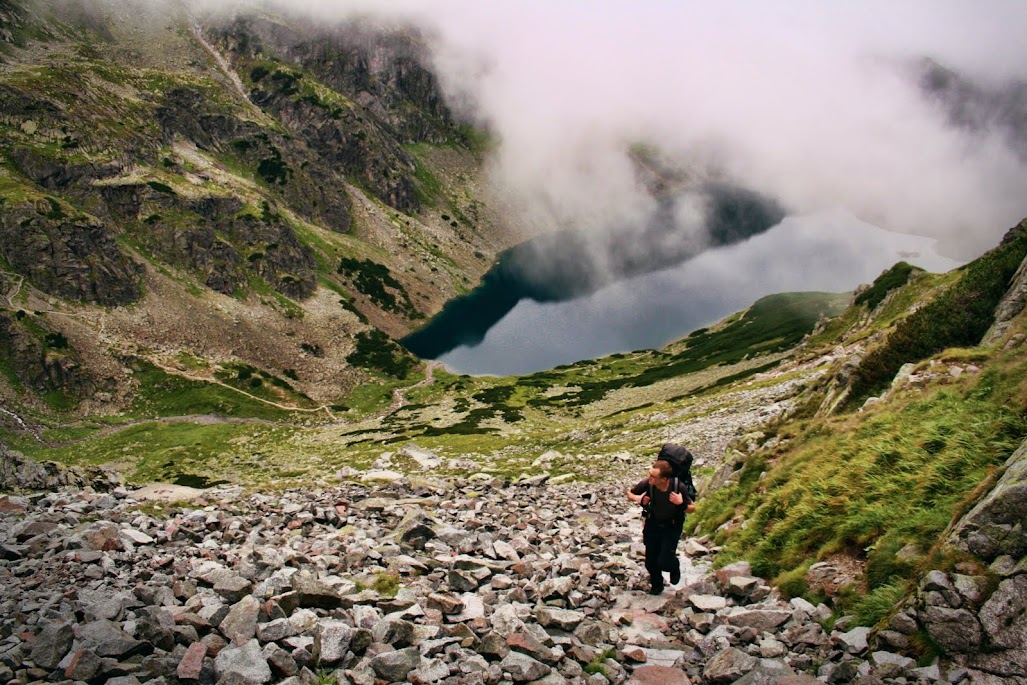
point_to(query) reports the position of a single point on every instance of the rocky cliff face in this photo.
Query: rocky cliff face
(66, 253)
(152, 159)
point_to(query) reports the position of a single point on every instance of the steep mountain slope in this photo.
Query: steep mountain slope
(230, 191)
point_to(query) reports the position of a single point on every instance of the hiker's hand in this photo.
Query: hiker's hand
(690, 508)
(644, 501)
(677, 499)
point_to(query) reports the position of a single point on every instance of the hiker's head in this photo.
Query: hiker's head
(660, 471)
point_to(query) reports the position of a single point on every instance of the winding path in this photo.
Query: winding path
(399, 399)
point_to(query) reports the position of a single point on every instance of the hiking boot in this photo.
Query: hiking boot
(656, 589)
(675, 576)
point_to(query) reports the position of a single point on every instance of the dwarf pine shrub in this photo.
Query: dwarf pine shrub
(958, 318)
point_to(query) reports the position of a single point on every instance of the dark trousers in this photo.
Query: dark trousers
(661, 549)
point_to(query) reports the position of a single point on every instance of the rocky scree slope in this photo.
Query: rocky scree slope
(399, 583)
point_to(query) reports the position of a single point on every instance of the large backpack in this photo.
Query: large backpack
(680, 460)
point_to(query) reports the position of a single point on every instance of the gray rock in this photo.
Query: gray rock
(728, 665)
(396, 665)
(275, 631)
(461, 581)
(393, 631)
(314, 594)
(930, 674)
(893, 665)
(331, 641)
(523, 668)
(1004, 615)
(243, 662)
(564, 619)
(854, 641)
(957, 630)
(769, 672)
(738, 568)
(707, 602)
(762, 620)
(430, 671)
(995, 526)
(445, 602)
(108, 639)
(741, 586)
(772, 649)
(240, 625)
(232, 587)
(52, 644)
(557, 588)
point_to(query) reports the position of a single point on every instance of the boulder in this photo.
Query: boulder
(728, 665)
(244, 663)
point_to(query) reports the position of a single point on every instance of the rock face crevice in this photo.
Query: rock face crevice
(390, 99)
(43, 364)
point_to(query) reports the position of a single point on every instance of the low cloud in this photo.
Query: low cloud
(815, 104)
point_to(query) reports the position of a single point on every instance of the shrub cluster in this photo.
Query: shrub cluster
(375, 350)
(377, 282)
(895, 277)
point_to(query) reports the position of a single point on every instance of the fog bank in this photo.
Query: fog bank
(815, 104)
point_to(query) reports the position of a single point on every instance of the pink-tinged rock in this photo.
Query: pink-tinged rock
(191, 665)
(658, 675)
(9, 505)
(84, 665)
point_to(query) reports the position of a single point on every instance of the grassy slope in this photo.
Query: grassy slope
(870, 483)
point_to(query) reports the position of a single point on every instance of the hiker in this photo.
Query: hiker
(665, 501)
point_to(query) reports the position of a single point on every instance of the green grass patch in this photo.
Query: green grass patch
(163, 394)
(183, 453)
(868, 485)
(772, 325)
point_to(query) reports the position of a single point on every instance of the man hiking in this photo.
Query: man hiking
(665, 501)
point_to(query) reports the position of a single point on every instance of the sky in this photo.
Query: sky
(809, 102)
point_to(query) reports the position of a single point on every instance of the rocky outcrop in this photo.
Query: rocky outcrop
(41, 363)
(293, 172)
(18, 473)
(976, 613)
(225, 244)
(1015, 299)
(385, 71)
(388, 97)
(66, 253)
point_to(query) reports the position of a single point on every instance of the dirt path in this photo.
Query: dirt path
(399, 394)
(18, 281)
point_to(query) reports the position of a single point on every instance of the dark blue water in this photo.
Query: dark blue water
(826, 251)
(559, 267)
